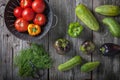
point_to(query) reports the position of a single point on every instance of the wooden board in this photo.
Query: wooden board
(110, 67)
(65, 11)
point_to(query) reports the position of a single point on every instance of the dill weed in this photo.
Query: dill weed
(35, 56)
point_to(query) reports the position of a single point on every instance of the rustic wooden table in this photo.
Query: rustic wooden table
(65, 10)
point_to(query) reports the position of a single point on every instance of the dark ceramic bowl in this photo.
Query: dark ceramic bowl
(10, 19)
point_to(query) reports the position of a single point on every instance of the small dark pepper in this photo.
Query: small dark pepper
(75, 29)
(87, 47)
(109, 49)
(62, 46)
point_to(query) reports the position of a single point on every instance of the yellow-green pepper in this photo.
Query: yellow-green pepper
(34, 30)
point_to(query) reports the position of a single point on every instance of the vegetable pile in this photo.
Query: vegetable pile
(85, 15)
(33, 57)
(36, 56)
(74, 30)
(30, 16)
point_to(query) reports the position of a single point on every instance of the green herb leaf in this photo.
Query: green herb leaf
(38, 57)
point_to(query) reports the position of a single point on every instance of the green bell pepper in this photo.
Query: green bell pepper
(75, 29)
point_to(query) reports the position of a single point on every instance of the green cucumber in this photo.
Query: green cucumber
(85, 15)
(70, 63)
(87, 67)
(113, 26)
(108, 10)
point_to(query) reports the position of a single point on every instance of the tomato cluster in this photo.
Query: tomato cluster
(30, 12)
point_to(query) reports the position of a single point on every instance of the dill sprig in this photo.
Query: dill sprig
(37, 55)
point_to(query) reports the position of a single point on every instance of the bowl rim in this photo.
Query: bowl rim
(39, 37)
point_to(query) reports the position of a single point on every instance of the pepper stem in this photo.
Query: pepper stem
(102, 49)
(34, 29)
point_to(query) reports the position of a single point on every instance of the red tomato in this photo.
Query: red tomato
(18, 12)
(38, 6)
(25, 3)
(38, 0)
(40, 19)
(21, 25)
(28, 14)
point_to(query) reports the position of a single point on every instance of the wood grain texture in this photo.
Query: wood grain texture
(65, 11)
(60, 9)
(86, 35)
(109, 69)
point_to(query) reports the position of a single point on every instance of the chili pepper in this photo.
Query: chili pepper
(75, 29)
(33, 29)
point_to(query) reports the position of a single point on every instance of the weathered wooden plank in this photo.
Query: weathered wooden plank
(1, 26)
(86, 35)
(6, 53)
(109, 69)
(1, 57)
(7, 58)
(59, 8)
(65, 10)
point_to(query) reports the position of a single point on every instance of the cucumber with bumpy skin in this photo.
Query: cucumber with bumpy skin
(85, 15)
(87, 67)
(108, 10)
(113, 26)
(70, 63)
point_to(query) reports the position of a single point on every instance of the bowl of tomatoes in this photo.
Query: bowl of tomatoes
(28, 19)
